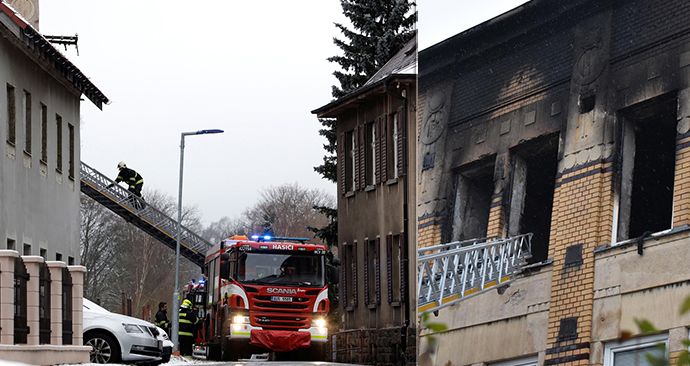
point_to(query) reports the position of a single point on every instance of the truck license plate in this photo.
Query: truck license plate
(281, 298)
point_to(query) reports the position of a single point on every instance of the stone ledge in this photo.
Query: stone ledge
(44, 354)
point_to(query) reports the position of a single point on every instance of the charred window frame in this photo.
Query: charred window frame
(534, 166)
(474, 186)
(350, 151)
(11, 116)
(645, 168)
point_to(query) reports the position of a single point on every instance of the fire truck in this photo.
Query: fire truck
(265, 295)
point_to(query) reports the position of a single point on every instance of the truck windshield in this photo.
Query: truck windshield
(280, 269)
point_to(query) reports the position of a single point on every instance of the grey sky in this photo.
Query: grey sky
(252, 68)
(442, 19)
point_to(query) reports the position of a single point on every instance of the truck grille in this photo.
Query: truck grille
(280, 322)
(297, 304)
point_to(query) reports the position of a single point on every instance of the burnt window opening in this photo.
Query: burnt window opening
(647, 156)
(350, 149)
(474, 188)
(587, 103)
(534, 168)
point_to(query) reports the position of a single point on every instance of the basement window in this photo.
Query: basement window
(474, 188)
(11, 244)
(534, 167)
(646, 172)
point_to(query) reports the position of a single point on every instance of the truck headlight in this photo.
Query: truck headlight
(240, 319)
(320, 322)
(132, 328)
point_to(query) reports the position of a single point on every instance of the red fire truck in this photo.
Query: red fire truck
(265, 295)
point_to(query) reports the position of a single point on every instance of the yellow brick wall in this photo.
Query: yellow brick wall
(429, 232)
(496, 225)
(582, 214)
(681, 187)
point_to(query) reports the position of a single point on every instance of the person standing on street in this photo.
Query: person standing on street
(162, 317)
(187, 328)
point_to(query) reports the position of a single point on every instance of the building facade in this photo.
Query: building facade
(567, 120)
(375, 130)
(40, 94)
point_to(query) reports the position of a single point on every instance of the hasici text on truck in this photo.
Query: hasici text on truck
(265, 295)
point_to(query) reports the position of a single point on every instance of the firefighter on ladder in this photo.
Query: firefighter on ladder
(134, 181)
(187, 327)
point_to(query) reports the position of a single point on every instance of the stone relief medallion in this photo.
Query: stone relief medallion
(26, 8)
(590, 62)
(434, 123)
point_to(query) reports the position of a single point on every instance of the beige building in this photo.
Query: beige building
(41, 283)
(569, 120)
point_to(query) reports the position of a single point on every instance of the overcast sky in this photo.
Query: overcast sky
(252, 68)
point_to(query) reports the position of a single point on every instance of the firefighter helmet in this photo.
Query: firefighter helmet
(121, 165)
(186, 304)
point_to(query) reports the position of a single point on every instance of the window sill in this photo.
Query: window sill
(372, 306)
(392, 181)
(349, 194)
(350, 308)
(43, 162)
(10, 143)
(396, 304)
(58, 171)
(71, 178)
(27, 154)
(370, 188)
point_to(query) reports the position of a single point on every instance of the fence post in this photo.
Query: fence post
(55, 268)
(77, 273)
(7, 258)
(33, 268)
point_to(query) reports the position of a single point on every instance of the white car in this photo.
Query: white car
(167, 345)
(115, 337)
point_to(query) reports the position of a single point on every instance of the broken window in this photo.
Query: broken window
(534, 168)
(350, 149)
(473, 191)
(646, 169)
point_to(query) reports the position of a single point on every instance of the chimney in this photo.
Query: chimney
(28, 9)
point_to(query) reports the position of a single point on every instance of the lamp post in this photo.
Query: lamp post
(176, 293)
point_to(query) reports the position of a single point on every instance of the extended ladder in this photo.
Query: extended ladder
(142, 215)
(449, 273)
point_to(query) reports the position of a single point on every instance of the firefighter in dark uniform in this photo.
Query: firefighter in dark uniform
(134, 181)
(162, 317)
(187, 327)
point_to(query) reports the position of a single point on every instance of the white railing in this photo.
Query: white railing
(448, 273)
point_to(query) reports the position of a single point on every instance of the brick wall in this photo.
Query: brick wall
(373, 346)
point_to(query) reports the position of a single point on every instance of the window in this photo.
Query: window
(71, 151)
(58, 146)
(11, 244)
(70, 261)
(350, 151)
(350, 277)
(27, 249)
(11, 116)
(534, 169)
(647, 151)
(27, 122)
(392, 142)
(393, 267)
(370, 155)
(473, 192)
(371, 272)
(634, 352)
(44, 133)
(43, 253)
(58, 256)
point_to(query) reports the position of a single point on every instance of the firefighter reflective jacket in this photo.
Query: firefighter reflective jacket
(130, 177)
(162, 320)
(187, 322)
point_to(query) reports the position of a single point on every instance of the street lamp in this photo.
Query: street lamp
(176, 292)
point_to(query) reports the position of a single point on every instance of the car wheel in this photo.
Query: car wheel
(104, 347)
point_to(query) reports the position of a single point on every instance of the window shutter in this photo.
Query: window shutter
(389, 266)
(355, 286)
(383, 151)
(402, 121)
(379, 162)
(362, 181)
(367, 273)
(377, 271)
(340, 162)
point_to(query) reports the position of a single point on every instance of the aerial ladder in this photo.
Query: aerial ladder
(142, 215)
(452, 272)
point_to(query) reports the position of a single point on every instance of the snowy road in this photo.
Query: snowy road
(181, 361)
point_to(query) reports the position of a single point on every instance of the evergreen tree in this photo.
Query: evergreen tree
(381, 29)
